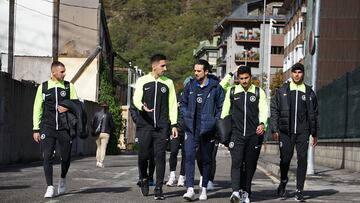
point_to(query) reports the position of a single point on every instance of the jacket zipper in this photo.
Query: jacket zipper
(245, 114)
(155, 103)
(296, 109)
(56, 111)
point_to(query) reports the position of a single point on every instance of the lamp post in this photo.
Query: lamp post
(269, 61)
(263, 42)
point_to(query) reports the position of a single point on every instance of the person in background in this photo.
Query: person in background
(105, 122)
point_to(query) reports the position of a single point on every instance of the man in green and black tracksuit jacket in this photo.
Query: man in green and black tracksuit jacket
(248, 108)
(47, 126)
(294, 116)
(155, 98)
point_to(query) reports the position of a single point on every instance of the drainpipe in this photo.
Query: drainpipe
(310, 168)
(11, 40)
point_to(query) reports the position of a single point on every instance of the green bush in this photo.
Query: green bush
(106, 94)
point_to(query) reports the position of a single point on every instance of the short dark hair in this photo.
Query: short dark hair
(56, 64)
(297, 66)
(157, 58)
(205, 63)
(244, 69)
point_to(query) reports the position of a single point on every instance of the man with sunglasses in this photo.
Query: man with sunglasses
(155, 98)
(294, 116)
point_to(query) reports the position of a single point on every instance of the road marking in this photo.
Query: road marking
(268, 174)
(124, 173)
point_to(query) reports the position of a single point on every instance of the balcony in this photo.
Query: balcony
(250, 37)
(247, 57)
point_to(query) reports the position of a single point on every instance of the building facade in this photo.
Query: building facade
(244, 40)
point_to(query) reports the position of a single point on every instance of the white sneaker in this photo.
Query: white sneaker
(181, 181)
(61, 186)
(235, 197)
(189, 195)
(50, 192)
(200, 182)
(245, 197)
(210, 185)
(172, 179)
(98, 164)
(203, 195)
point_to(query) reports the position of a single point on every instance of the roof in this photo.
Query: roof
(241, 14)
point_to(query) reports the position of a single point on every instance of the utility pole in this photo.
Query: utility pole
(263, 43)
(56, 11)
(310, 160)
(11, 38)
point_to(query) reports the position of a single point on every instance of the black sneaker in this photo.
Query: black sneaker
(159, 194)
(281, 192)
(299, 196)
(144, 187)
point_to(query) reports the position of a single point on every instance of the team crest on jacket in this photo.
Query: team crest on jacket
(303, 98)
(163, 89)
(42, 136)
(253, 98)
(231, 145)
(199, 100)
(63, 93)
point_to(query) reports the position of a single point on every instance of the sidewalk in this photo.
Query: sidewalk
(341, 180)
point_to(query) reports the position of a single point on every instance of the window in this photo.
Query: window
(275, 10)
(277, 50)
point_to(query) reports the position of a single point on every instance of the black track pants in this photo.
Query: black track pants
(175, 145)
(286, 144)
(244, 152)
(48, 140)
(156, 139)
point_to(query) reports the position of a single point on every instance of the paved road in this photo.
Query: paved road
(116, 183)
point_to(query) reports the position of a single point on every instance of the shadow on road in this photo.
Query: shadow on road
(13, 187)
(102, 190)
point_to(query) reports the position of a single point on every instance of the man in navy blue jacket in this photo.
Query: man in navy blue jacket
(200, 105)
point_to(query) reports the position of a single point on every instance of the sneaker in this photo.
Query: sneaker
(172, 179)
(200, 182)
(210, 185)
(62, 186)
(299, 196)
(50, 192)
(203, 195)
(97, 164)
(158, 194)
(181, 181)
(235, 197)
(101, 165)
(189, 195)
(245, 197)
(281, 192)
(144, 187)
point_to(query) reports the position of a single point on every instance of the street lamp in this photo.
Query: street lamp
(269, 61)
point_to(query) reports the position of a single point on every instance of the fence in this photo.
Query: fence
(339, 107)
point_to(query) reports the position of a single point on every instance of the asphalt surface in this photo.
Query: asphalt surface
(117, 183)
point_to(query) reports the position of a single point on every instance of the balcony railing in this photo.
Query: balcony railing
(247, 56)
(249, 37)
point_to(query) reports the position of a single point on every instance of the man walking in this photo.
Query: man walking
(48, 128)
(155, 98)
(248, 108)
(201, 105)
(294, 116)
